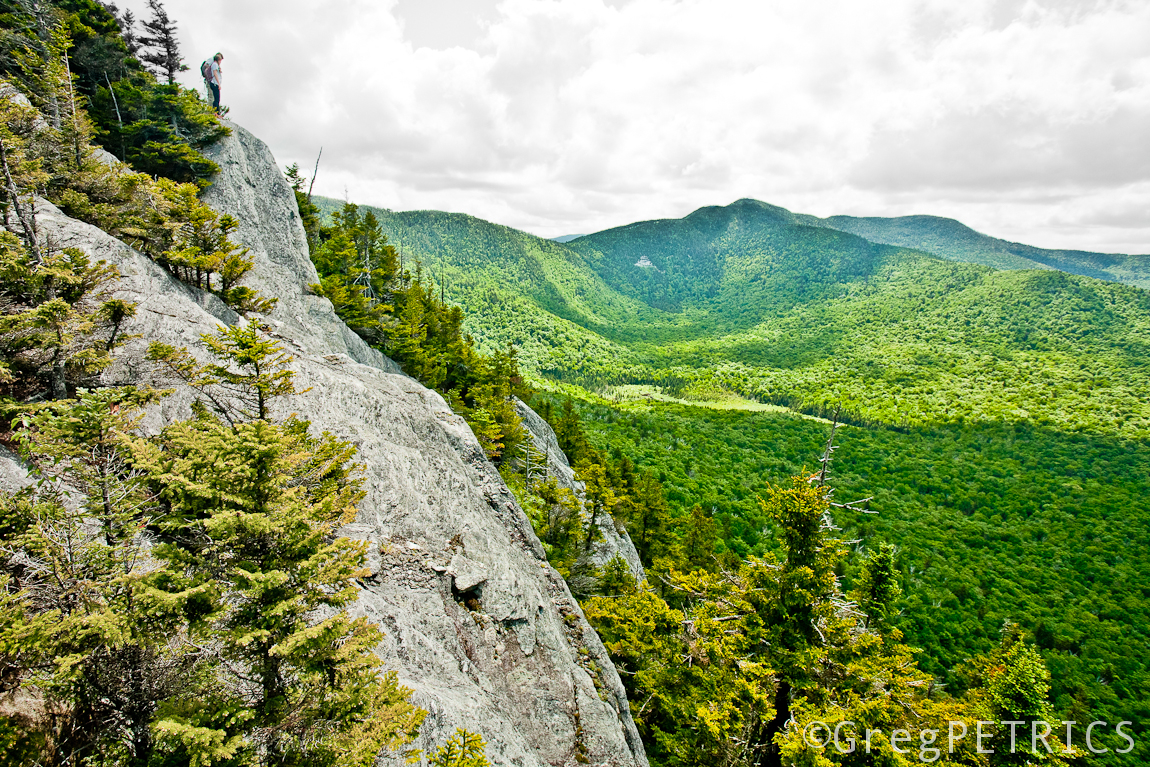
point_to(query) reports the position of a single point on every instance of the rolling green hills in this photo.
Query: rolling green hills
(999, 415)
(799, 315)
(748, 299)
(950, 239)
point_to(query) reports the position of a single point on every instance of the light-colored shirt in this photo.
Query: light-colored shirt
(217, 74)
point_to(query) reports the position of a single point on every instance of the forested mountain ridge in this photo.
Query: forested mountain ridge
(942, 237)
(1002, 429)
(749, 299)
(953, 240)
(514, 287)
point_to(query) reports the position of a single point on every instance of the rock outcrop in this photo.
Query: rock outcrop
(477, 623)
(611, 541)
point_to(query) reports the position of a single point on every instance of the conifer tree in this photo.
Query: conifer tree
(569, 432)
(699, 540)
(600, 500)
(24, 174)
(253, 557)
(193, 242)
(57, 322)
(252, 371)
(616, 578)
(463, 749)
(878, 584)
(127, 23)
(1012, 684)
(160, 45)
(308, 210)
(648, 525)
(108, 654)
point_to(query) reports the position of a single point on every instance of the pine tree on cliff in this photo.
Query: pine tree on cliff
(251, 552)
(126, 21)
(160, 48)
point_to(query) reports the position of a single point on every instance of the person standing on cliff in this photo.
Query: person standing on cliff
(216, 80)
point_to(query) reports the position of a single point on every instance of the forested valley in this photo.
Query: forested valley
(869, 487)
(992, 418)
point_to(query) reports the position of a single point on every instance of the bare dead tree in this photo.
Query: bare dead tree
(314, 172)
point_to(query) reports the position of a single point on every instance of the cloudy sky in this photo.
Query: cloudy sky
(1026, 119)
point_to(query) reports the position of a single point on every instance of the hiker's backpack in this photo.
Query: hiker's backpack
(206, 70)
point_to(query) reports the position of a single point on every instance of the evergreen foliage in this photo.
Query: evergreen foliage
(158, 129)
(992, 524)
(308, 211)
(395, 311)
(463, 749)
(751, 657)
(569, 525)
(58, 322)
(193, 242)
(251, 372)
(95, 646)
(160, 47)
(48, 152)
(220, 635)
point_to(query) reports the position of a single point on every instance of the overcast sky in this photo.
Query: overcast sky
(1026, 119)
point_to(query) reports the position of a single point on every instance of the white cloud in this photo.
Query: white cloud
(1027, 119)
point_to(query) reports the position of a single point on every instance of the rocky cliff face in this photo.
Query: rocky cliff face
(477, 623)
(612, 541)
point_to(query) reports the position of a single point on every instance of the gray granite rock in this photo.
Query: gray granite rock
(613, 540)
(13, 475)
(477, 623)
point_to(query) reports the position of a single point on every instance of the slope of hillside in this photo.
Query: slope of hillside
(1001, 412)
(950, 239)
(749, 298)
(736, 262)
(476, 623)
(803, 316)
(521, 289)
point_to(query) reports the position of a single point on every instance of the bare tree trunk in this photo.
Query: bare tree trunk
(75, 116)
(106, 501)
(314, 173)
(115, 103)
(59, 381)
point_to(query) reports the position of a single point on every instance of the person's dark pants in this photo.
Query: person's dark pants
(215, 97)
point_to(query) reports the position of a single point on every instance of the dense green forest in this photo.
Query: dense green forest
(996, 415)
(995, 450)
(991, 523)
(747, 299)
